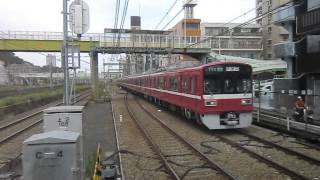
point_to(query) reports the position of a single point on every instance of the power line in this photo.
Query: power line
(116, 17)
(167, 13)
(124, 13)
(243, 14)
(248, 22)
(175, 15)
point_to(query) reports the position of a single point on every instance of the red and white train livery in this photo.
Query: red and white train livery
(217, 95)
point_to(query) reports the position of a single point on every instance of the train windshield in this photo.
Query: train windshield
(227, 79)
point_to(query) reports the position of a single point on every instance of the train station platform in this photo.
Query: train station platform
(98, 128)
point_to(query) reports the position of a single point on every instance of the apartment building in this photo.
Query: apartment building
(228, 39)
(271, 33)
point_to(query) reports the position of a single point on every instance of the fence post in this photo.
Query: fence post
(259, 100)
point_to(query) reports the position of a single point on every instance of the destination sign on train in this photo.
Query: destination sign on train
(222, 69)
(232, 68)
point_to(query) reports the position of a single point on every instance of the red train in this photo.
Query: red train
(217, 95)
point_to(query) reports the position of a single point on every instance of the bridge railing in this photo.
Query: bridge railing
(154, 41)
(111, 40)
(41, 35)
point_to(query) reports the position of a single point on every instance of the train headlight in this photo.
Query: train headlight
(211, 103)
(246, 101)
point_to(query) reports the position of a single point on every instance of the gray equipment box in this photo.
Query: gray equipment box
(53, 155)
(68, 118)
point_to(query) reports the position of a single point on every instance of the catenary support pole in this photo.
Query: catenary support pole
(94, 74)
(64, 54)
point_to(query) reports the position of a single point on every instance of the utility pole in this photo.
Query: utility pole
(64, 54)
(50, 69)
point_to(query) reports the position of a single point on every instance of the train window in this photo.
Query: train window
(157, 83)
(184, 85)
(212, 86)
(173, 84)
(192, 86)
(152, 82)
(244, 85)
(166, 83)
(228, 86)
(232, 79)
(195, 85)
(161, 83)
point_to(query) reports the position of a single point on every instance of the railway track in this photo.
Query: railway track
(12, 129)
(299, 165)
(13, 134)
(311, 160)
(180, 158)
(295, 164)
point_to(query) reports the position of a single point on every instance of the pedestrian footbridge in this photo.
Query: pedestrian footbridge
(142, 41)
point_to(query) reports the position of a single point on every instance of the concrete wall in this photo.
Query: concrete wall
(313, 94)
(286, 92)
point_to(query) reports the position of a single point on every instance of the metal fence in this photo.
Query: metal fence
(278, 107)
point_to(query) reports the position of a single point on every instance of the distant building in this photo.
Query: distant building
(244, 41)
(189, 26)
(135, 22)
(23, 68)
(51, 60)
(271, 33)
(3, 74)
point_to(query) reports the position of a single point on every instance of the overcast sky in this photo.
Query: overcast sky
(45, 15)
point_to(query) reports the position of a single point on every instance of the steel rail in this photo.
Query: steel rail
(154, 146)
(3, 140)
(273, 164)
(284, 149)
(27, 116)
(203, 156)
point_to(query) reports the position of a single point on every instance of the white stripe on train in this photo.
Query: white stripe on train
(215, 96)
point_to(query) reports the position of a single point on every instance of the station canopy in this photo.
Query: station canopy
(258, 66)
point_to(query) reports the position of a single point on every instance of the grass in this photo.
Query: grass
(90, 164)
(103, 91)
(37, 96)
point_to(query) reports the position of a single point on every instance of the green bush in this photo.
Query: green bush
(33, 97)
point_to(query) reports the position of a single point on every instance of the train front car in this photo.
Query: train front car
(227, 96)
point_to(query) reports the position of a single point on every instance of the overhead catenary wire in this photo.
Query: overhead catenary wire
(116, 19)
(123, 18)
(124, 13)
(116, 16)
(175, 16)
(167, 13)
(248, 22)
(243, 14)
